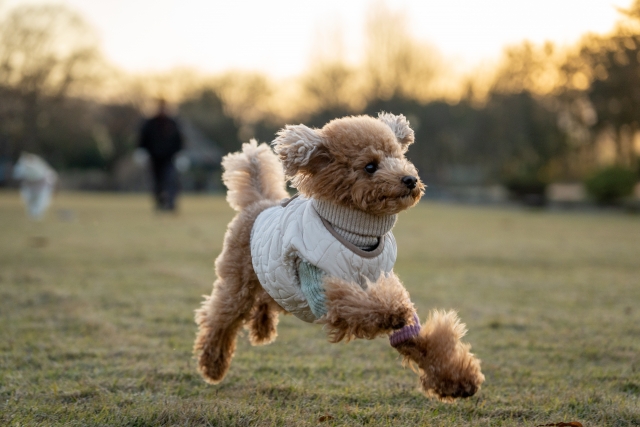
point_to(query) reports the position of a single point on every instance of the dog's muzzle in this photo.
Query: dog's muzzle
(409, 181)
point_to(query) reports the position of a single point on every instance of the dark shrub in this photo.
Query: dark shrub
(527, 190)
(609, 185)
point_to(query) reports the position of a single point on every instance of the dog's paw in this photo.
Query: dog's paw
(450, 392)
(449, 384)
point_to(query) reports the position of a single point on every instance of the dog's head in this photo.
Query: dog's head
(356, 162)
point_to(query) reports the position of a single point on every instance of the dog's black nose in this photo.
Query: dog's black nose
(409, 181)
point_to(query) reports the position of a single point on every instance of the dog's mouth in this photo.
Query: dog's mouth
(411, 193)
(405, 195)
(386, 204)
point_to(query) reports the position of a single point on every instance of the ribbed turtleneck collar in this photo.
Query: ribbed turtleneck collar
(357, 227)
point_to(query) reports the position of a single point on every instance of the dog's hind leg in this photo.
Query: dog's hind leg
(220, 318)
(264, 319)
(255, 180)
(234, 293)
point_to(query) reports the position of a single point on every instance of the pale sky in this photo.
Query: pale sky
(276, 36)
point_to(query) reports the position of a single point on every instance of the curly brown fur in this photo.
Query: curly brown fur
(229, 306)
(264, 320)
(356, 313)
(329, 163)
(447, 369)
(255, 182)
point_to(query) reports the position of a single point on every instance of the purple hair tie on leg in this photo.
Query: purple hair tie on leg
(406, 333)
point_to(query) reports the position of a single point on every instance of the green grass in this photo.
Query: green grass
(96, 321)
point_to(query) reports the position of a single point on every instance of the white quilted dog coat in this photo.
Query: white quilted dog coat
(284, 235)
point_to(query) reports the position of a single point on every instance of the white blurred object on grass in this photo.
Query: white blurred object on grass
(37, 182)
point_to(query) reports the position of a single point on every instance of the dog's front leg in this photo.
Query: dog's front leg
(353, 312)
(448, 370)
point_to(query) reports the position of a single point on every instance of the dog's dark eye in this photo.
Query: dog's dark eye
(371, 168)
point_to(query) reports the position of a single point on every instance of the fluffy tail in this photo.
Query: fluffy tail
(253, 174)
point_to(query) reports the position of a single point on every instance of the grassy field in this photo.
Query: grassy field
(96, 321)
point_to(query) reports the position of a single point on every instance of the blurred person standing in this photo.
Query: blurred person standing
(160, 136)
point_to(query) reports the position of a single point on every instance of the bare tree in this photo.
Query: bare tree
(247, 97)
(395, 63)
(529, 68)
(330, 84)
(46, 51)
(332, 87)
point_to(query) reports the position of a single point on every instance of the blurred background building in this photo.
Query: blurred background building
(544, 122)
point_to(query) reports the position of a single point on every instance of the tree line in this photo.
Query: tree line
(544, 114)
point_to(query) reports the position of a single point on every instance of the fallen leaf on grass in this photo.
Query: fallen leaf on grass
(325, 418)
(570, 424)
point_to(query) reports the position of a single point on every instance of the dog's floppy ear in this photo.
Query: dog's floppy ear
(400, 127)
(300, 148)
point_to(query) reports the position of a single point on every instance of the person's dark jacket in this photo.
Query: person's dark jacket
(161, 137)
